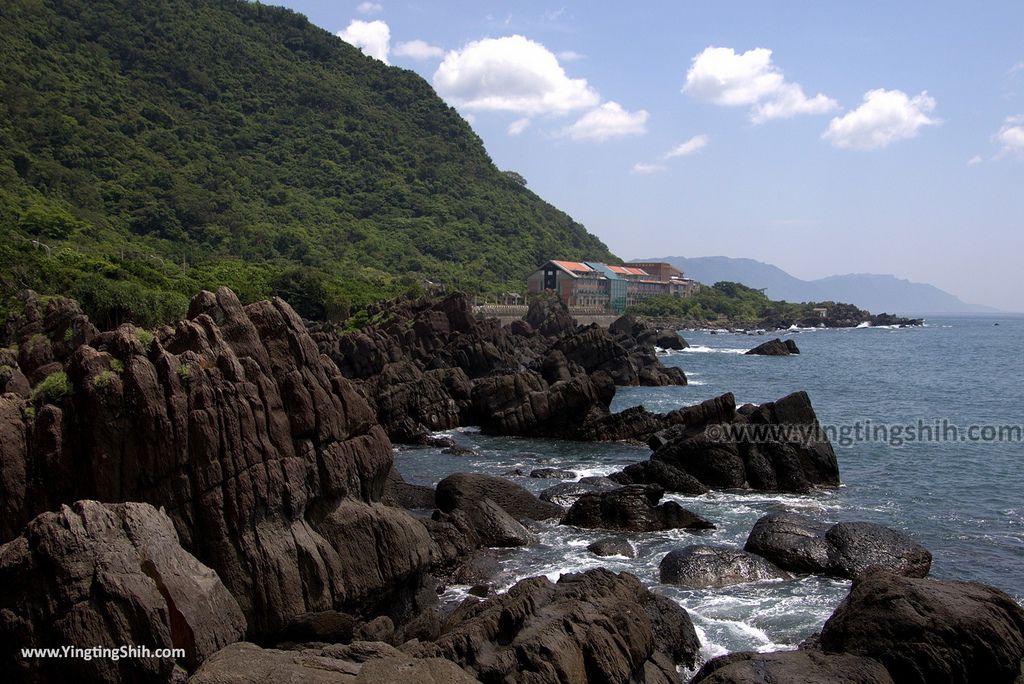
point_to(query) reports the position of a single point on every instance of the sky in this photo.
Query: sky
(823, 137)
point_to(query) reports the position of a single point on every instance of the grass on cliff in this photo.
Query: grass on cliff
(152, 149)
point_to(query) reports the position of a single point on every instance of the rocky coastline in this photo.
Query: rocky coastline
(836, 316)
(225, 485)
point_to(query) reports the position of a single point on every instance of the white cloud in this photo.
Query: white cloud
(689, 147)
(975, 160)
(418, 49)
(372, 37)
(642, 168)
(609, 120)
(518, 126)
(721, 76)
(1011, 136)
(885, 117)
(1017, 68)
(512, 74)
(570, 56)
(370, 8)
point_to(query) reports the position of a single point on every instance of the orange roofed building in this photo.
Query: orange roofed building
(613, 288)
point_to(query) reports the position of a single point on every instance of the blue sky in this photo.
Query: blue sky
(823, 137)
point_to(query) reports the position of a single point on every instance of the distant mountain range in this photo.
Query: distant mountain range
(876, 293)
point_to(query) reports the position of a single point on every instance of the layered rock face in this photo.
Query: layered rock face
(265, 457)
(108, 575)
(587, 627)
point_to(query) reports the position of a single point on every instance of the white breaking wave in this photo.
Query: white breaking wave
(700, 349)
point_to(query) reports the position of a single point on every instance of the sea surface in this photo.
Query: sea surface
(962, 498)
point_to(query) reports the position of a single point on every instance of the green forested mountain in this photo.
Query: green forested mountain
(149, 148)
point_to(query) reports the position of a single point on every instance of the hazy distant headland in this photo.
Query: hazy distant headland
(869, 291)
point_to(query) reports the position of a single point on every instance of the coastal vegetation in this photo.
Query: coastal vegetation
(729, 302)
(149, 150)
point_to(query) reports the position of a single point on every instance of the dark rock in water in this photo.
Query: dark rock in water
(594, 626)
(701, 566)
(94, 574)
(553, 474)
(929, 631)
(398, 492)
(632, 508)
(777, 446)
(356, 663)
(800, 544)
(667, 477)
(495, 527)
(612, 546)
(566, 493)
(479, 590)
(860, 545)
(460, 489)
(785, 667)
(793, 542)
(775, 347)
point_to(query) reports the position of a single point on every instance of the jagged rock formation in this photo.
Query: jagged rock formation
(797, 543)
(591, 626)
(108, 575)
(428, 365)
(774, 347)
(267, 460)
(777, 446)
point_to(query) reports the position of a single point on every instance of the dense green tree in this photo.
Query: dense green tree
(159, 147)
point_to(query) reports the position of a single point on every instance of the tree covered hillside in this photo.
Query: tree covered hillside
(149, 149)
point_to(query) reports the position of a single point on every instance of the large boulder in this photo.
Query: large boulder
(792, 667)
(703, 566)
(800, 544)
(106, 575)
(462, 489)
(589, 627)
(612, 546)
(633, 508)
(929, 631)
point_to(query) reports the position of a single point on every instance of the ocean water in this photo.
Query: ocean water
(962, 498)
